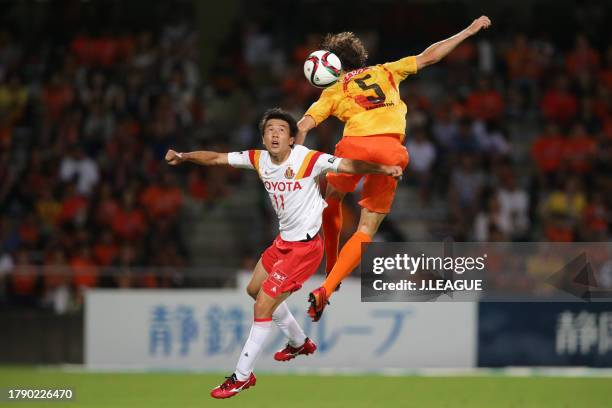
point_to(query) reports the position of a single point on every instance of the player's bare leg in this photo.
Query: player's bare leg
(298, 343)
(332, 225)
(259, 275)
(348, 259)
(243, 376)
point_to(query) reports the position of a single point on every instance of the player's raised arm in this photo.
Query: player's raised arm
(202, 157)
(364, 167)
(441, 49)
(305, 125)
(317, 113)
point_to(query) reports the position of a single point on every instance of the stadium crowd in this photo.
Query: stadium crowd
(512, 133)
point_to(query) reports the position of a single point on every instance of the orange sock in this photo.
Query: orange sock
(332, 224)
(347, 261)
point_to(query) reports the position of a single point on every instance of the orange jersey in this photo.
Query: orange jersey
(367, 99)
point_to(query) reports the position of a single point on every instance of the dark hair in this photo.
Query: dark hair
(348, 47)
(278, 113)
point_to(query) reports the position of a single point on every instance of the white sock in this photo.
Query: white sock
(285, 321)
(252, 348)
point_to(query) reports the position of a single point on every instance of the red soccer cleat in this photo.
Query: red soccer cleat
(231, 386)
(290, 352)
(318, 301)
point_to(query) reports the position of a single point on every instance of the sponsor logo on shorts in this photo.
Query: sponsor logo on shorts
(278, 276)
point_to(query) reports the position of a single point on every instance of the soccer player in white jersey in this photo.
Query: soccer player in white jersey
(289, 173)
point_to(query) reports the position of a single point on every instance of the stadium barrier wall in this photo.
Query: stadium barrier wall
(40, 337)
(545, 334)
(205, 329)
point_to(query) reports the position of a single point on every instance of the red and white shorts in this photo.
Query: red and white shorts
(290, 264)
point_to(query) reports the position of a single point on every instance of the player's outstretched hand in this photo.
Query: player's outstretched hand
(394, 171)
(478, 24)
(173, 158)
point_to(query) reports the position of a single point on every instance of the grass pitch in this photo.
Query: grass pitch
(274, 390)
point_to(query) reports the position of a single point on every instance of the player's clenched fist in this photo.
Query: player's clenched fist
(173, 158)
(478, 24)
(394, 171)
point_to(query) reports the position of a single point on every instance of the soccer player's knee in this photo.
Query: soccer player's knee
(262, 308)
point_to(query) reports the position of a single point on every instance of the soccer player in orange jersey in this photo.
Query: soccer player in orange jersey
(367, 99)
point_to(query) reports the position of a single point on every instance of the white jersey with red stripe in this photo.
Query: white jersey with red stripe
(293, 187)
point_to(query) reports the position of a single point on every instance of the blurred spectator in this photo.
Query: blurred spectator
(196, 185)
(548, 151)
(595, 219)
(558, 228)
(491, 221)
(56, 284)
(444, 127)
(582, 58)
(491, 139)
(558, 103)
(124, 267)
(422, 156)
(84, 271)
(466, 186)
(108, 207)
(105, 251)
(23, 279)
(56, 96)
(514, 206)
(162, 200)
(465, 141)
(485, 103)
(48, 209)
(579, 150)
(74, 206)
(568, 203)
(13, 100)
(77, 166)
(523, 60)
(129, 222)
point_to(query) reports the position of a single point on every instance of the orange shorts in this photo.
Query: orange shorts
(378, 190)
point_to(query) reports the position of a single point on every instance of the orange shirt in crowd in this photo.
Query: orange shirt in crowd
(162, 202)
(523, 63)
(547, 152)
(24, 279)
(485, 105)
(55, 99)
(578, 61)
(559, 106)
(72, 207)
(556, 233)
(129, 224)
(104, 254)
(578, 152)
(85, 273)
(106, 211)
